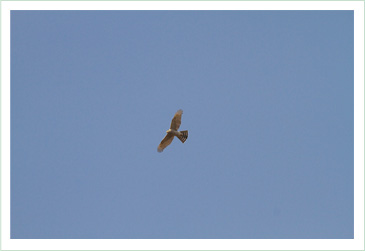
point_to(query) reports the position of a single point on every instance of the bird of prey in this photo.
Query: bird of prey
(173, 131)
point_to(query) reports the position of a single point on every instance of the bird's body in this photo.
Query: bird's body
(173, 131)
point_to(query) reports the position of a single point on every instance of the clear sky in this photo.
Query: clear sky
(267, 99)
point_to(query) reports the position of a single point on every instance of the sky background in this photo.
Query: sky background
(267, 99)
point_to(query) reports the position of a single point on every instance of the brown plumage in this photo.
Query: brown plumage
(173, 131)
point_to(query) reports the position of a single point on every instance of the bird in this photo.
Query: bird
(173, 131)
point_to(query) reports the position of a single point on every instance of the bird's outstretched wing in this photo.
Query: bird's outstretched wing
(165, 142)
(176, 121)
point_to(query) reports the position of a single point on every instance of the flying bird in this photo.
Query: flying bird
(173, 131)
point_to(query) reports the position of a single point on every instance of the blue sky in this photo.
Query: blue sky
(267, 99)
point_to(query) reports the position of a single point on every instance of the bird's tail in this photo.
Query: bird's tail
(183, 136)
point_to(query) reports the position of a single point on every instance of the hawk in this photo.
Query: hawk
(173, 131)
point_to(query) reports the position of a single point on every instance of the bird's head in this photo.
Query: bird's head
(169, 130)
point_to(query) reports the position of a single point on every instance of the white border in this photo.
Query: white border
(180, 244)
